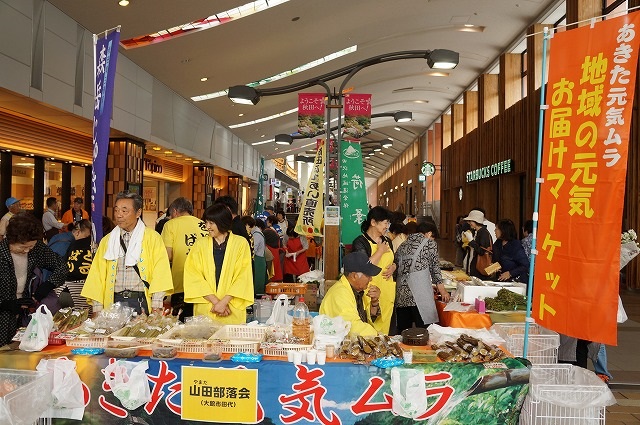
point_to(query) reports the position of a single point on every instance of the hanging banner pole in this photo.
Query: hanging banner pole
(105, 53)
(536, 199)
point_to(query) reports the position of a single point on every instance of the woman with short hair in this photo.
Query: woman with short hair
(508, 251)
(217, 273)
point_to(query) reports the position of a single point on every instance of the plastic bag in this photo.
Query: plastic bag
(622, 315)
(36, 336)
(329, 330)
(409, 392)
(128, 382)
(68, 395)
(279, 314)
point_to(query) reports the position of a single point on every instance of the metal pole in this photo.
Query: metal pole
(536, 200)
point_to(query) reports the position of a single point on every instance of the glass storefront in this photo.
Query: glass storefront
(22, 177)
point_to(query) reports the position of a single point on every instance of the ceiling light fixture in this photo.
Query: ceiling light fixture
(403, 116)
(123, 2)
(283, 139)
(397, 128)
(156, 148)
(436, 59)
(387, 144)
(203, 79)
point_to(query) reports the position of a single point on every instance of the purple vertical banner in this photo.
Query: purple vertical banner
(105, 55)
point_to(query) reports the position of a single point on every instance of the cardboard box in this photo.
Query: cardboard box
(468, 293)
(311, 296)
(328, 284)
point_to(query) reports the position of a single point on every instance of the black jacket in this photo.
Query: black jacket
(40, 256)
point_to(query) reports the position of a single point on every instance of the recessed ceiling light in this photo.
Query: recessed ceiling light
(263, 135)
(187, 159)
(397, 128)
(420, 101)
(178, 156)
(168, 152)
(203, 79)
(438, 74)
(196, 162)
(156, 148)
(241, 115)
(123, 2)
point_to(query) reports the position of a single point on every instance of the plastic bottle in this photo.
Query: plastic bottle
(301, 326)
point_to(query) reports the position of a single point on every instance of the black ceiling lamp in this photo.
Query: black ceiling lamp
(283, 139)
(436, 59)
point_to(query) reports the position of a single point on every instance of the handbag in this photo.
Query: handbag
(420, 284)
(483, 261)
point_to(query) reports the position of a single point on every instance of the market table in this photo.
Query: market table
(332, 394)
(456, 319)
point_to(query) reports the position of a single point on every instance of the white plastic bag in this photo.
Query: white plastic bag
(409, 392)
(279, 314)
(68, 395)
(36, 336)
(128, 382)
(622, 315)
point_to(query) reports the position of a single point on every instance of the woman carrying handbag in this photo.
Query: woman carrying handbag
(480, 244)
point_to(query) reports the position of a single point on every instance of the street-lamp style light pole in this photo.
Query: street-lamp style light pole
(436, 59)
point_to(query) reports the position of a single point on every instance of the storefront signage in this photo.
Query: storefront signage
(154, 166)
(493, 170)
(291, 172)
(219, 395)
(428, 169)
(279, 164)
(275, 182)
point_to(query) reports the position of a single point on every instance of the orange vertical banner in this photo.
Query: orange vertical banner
(584, 166)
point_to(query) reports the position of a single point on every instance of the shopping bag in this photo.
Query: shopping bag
(36, 336)
(409, 392)
(622, 315)
(68, 395)
(128, 382)
(279, 314)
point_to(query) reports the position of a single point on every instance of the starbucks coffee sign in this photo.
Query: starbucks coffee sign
(493, 170)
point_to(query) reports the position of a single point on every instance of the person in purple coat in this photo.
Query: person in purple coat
(508, 251)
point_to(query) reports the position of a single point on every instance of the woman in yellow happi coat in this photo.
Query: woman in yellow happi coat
(217, 273)
(379, 248)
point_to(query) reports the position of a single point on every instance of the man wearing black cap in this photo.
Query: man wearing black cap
(76, 213)
(352, 297)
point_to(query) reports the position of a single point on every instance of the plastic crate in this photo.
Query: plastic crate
(88, 341)
(554, 388)
(26, 395)
(280, 350)
(237, 339)
(543, 343)
(277, 288)
(174, 337)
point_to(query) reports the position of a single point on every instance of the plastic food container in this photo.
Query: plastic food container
(161, 351)
(122, 350)
(415, 336)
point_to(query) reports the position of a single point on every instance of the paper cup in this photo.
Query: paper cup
(311, 356)
(290, 354)
(304, 355)
(321, 356)
(407, 356)
(297, 357)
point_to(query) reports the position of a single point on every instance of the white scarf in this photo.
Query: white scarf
(114, 249)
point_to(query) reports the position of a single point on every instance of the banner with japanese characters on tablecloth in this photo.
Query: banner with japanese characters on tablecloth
(584, 165)
(310, 218)
(353, 192)
(183, 389)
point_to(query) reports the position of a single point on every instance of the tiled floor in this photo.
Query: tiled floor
(623, 360)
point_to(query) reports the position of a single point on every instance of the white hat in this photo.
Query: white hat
(475, 215)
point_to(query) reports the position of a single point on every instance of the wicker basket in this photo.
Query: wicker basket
(237, 339)
(292, 289)
(88, 341)
(173, 338)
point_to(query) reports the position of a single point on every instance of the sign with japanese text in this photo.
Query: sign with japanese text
(584, 166)
(357, 115)
(456, 393)
(105, 55)
(310, 114)
(353, 192)
(219, 395)
(310, 219)
(332, 215)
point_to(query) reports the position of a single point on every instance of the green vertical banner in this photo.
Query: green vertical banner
(353, 192)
